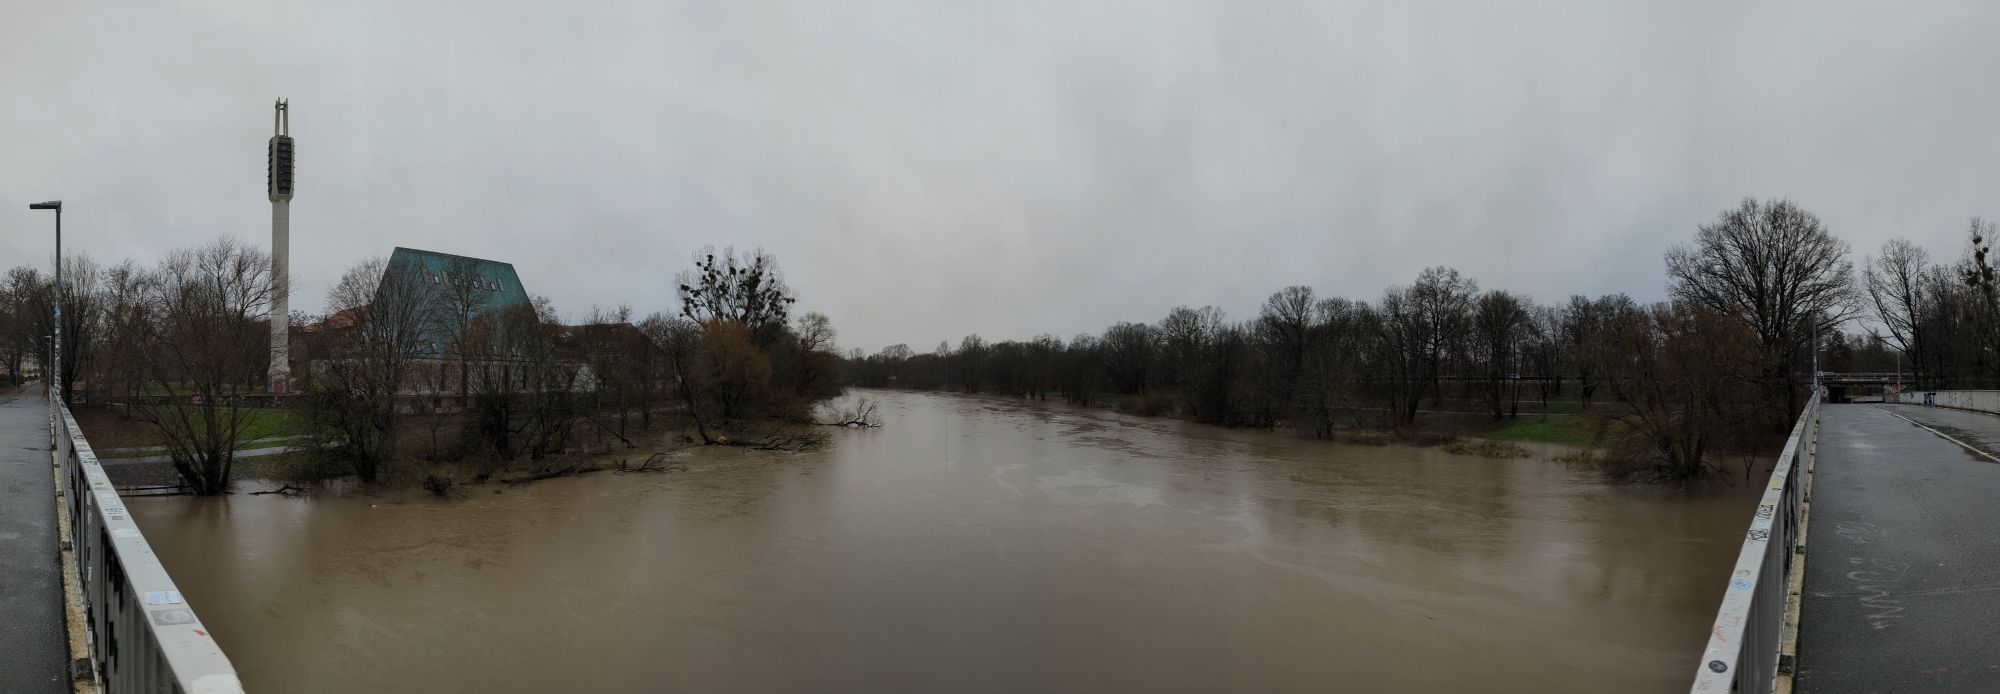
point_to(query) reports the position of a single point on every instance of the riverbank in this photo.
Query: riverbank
(430, 459)
(428, 442)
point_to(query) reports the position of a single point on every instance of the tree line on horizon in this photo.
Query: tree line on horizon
(183, 347)
(1724, 364)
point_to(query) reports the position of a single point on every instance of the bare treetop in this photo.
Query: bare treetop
(747, 289)
(1772, 265)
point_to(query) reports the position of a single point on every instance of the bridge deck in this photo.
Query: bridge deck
(33, 643)
(1902, 574)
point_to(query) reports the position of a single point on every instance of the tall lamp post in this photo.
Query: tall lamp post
(56, 353)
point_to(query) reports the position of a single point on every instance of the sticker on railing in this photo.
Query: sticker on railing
(163, 597)
(171, 617)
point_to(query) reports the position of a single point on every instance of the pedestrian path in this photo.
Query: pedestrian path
(33, 642)
(1902, 577)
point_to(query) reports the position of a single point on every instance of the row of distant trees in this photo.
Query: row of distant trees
(184, 346)
(1723, 364)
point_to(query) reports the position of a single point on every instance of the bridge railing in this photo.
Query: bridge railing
(143, 635)
(1861, 377)
(1744, 646)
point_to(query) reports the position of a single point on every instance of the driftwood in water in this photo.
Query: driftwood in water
(287, 490)
(652, 464)
(565, 471)
(861, 414)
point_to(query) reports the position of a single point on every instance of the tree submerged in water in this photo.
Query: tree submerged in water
(745, 372)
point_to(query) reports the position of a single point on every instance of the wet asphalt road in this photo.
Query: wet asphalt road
(1902, 577)
(32, 640)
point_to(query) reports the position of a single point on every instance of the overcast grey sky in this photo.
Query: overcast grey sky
(928, 169)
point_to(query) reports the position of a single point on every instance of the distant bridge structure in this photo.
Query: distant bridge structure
(1846, 387)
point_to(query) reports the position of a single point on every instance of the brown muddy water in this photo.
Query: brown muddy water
(976, 545)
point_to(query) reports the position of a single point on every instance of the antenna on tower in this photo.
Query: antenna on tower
(278, 175)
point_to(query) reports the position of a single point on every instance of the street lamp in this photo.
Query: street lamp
(56, 377)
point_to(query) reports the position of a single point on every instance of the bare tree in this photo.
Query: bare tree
(1333, 364)
(1043, 353)
(208, 348)
(746, 289)
(82, 306)
(1777, 269)
(1285, 322)
(1421, 326)
(1128, 357)
(554, 375)
(379, 319)
(1500, 322)
(1982, 315)
(1582, 320)
(1978, 271)
(1184, 338)
(1903, 299)
(18, 292)
(805, 365)
(1547, 352)
(679, 340)
(623, 374)
(1285, 325)
(738, 375)
(971, 357)
(462, 299)
(815, 332)
(1082, 373)
(130, 303)
(1681, 386)
(525, 399)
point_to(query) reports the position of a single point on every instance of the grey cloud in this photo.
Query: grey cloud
(925, 170)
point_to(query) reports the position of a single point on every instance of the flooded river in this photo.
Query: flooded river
(976, 545)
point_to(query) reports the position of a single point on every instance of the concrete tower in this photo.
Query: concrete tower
(278, 180)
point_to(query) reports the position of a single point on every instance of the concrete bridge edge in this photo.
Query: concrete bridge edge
(82, 669)
(1788, 640)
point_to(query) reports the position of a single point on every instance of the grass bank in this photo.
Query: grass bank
(110, 429)
(1567, 431)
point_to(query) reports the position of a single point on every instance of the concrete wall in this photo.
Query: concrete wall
(1975, 400)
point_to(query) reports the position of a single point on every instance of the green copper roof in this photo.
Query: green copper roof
(492, 286)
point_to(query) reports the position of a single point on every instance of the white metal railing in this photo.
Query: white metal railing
(143, 635)
(1743, 648)
(1860, 377)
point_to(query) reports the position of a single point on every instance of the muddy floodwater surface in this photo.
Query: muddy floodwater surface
(976, 545)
